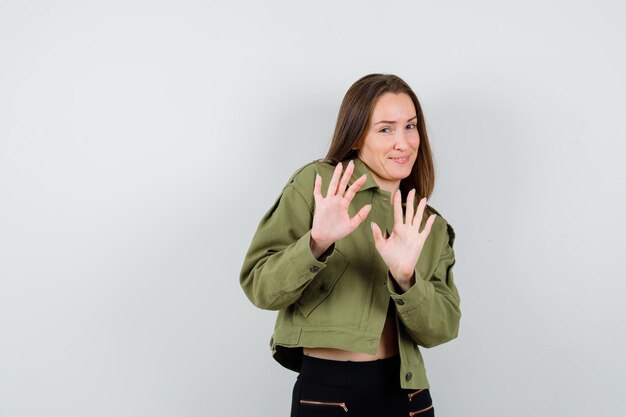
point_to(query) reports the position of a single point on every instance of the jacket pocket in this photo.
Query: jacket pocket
(323, 283)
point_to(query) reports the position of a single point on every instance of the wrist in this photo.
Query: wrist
(404, 283)
(318, 248)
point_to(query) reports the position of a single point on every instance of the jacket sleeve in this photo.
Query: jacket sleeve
(279, 263)
(430, 309)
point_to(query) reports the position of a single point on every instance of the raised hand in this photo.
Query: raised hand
(331, 220)
(401, 250)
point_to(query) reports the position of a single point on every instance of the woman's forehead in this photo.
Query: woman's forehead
(391, 107)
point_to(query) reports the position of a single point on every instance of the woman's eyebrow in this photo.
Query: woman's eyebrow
(393, 121)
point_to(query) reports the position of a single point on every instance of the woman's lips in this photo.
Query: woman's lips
(401, 160)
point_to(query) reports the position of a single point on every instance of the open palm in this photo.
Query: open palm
(331, 220)
(401, 250)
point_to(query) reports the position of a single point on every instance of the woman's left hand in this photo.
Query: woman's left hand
(402, 248)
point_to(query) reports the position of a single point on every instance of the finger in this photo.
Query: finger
(317, 188)
(345, 178)
(332, 186)
(417, 220)
(379, 240)
(428, 225)
(410, 209)
(356, 185)
(360, 216)
(397, 208)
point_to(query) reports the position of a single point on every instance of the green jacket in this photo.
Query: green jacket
(341, 300)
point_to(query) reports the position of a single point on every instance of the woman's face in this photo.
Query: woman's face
(391, 140)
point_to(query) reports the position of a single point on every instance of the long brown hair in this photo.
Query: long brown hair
(354, 119)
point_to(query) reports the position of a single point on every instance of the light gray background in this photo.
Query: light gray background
(142, 141)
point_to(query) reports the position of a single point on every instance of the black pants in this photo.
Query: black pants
(362, 389)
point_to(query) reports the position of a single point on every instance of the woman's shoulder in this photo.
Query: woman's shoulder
(303, 178)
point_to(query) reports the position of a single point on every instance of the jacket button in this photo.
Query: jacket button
(399, 302)
(314, 268)
(409, 376)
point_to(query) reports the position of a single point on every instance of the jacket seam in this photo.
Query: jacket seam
(301, 196)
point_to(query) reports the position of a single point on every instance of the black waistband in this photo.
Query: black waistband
(346, 373)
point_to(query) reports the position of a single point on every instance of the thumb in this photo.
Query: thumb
(360, 216)
(429, 224)
(379, 240)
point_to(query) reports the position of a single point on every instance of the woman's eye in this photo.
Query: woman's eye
(385, 130)
(411, 126)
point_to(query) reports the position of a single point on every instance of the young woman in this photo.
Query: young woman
(357, 264)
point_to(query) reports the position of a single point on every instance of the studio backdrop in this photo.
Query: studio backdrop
(142, 141)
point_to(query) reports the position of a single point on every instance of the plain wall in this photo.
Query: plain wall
(142, 141)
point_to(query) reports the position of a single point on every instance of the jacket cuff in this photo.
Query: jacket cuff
(307, 266)
(412, 298)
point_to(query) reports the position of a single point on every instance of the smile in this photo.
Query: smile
(402, 160)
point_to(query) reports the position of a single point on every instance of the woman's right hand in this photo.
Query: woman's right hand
(331, 220)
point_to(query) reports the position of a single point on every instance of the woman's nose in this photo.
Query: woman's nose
(402, 141)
